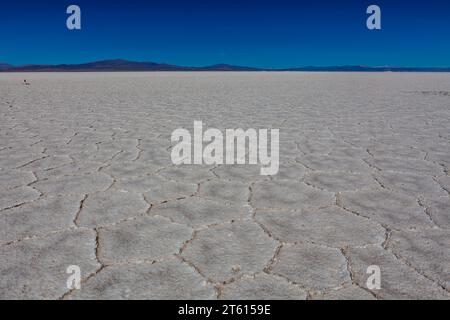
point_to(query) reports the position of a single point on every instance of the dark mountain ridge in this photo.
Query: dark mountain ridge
(126, 65)
(5, 66)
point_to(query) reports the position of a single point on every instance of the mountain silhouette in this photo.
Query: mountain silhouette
(126, 65)
(5, 66)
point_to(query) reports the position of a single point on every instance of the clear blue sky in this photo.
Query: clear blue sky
(276, 33)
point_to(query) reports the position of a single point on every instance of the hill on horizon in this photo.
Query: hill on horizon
(127, 65)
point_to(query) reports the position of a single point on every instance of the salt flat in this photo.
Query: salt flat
(86, 179)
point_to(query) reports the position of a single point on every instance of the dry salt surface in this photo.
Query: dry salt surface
(86, 179)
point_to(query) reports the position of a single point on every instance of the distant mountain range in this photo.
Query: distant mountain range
(5, 66)
(125, 65)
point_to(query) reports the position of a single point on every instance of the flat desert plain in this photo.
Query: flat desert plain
(86, 180)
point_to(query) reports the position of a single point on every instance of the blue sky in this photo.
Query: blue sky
(271, 34)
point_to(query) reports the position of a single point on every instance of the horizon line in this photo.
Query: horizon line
(121, 65)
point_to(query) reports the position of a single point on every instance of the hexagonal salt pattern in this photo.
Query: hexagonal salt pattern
(333, 227)
(398, 279)
(146, 238)
(36, 268)
(262, 287)
(312, 267)
(228, 251)
(86, 179)
(171, 279)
